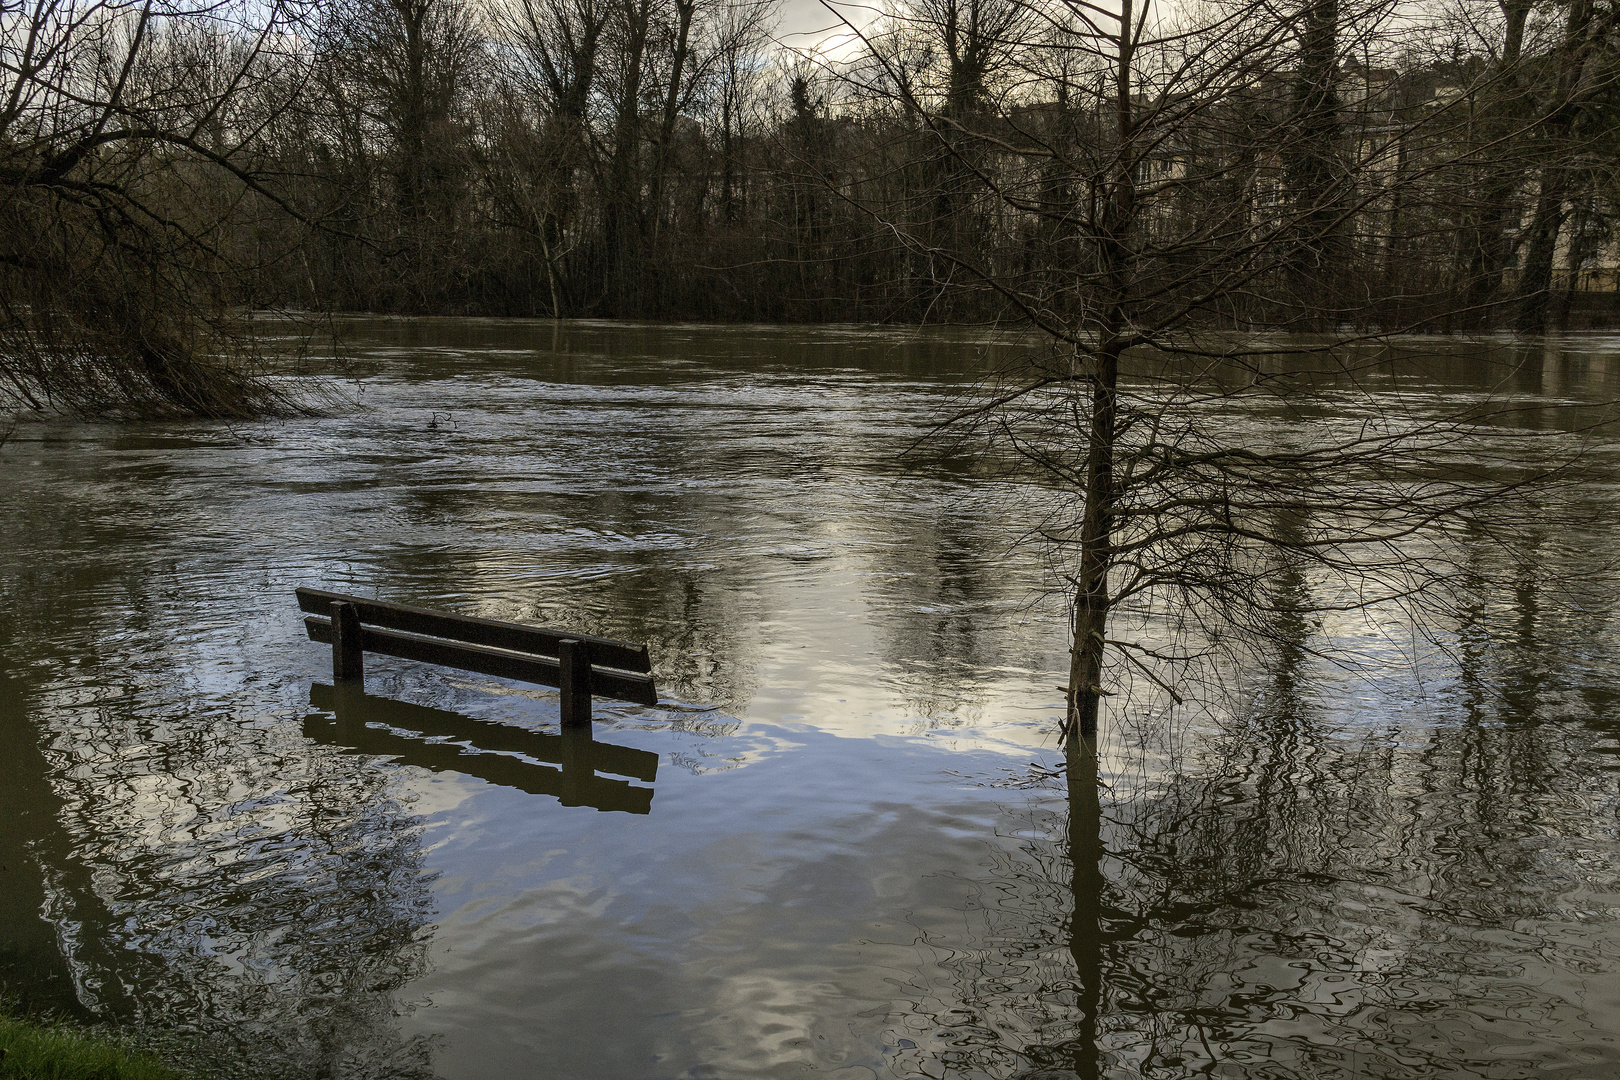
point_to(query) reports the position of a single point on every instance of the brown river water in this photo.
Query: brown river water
(854, 858)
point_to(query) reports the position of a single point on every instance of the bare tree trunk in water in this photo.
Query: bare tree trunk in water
(1580, 218)
(1091, 603)
(621, 220)
(1485, 243)
(1085, 927)
(672, 103)
(1535, 281)
(1311, 168)
(551, 271)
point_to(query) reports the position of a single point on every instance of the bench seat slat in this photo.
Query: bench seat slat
(499, 635)
(621, 685)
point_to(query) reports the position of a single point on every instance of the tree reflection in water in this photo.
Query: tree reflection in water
(1315, 893)
(229, 893)
(286, 918)
(31, 962)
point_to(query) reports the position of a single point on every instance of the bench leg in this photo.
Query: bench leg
(348, 652)
(578, 765)
(574, 664)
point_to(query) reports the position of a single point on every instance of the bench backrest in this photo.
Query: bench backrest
(612, 669)
(514, 637)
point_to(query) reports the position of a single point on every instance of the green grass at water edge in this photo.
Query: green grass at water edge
(46, 1050)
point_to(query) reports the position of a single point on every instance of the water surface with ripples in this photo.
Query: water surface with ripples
(855, 856)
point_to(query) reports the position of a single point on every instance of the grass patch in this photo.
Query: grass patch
(51, 1050)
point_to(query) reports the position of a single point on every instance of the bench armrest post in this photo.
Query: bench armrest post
(574, 669)
(348, 649)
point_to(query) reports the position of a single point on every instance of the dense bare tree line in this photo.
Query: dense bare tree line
(669, 162)
(666, 158)
(1389, 166)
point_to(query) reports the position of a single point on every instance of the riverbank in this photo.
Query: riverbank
(35, 1049)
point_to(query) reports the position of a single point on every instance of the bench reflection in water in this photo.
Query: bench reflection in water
(484, 749)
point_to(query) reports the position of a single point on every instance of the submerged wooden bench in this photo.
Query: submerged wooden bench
(579, 665)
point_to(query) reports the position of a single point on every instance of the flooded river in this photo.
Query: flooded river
(854, 857)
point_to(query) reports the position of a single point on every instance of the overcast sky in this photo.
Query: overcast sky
(801, 23)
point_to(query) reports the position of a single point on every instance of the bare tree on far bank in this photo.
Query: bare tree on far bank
(128, 154)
